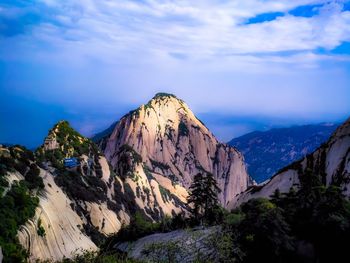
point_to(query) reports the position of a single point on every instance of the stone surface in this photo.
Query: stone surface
(174, 143)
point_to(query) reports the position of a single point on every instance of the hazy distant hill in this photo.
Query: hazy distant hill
(267, 152)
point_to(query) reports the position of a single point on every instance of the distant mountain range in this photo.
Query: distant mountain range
(266, 152)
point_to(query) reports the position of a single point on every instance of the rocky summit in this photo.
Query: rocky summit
(173, 144)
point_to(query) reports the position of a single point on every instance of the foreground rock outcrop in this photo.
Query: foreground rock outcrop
(330, 163)
(192, 245)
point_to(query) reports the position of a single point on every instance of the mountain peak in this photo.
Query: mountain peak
(65, 141)
(63, 127)
(62, 132)
(164, 98)
(174, 143)
(160, 95)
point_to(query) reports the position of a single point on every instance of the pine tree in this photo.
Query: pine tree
(203, 196)
(211, 191)
(196, 196)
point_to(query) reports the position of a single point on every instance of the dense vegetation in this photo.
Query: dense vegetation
(16, 207)
(203, 199)
(71, 144)
(87, 188)
(309, 225)
(95, 257)
(18, 201)
(19, 159)
(141, 226)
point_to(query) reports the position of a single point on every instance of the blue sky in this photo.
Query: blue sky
(240, 65)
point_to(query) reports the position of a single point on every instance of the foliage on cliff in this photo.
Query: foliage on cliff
(18, 201)
(67, 142)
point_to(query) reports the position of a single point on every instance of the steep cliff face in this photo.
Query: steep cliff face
(329, 164)
(173, 143)
(81, 205)
(63, 227)
(75, 209)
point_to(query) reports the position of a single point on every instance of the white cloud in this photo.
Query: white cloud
(205, 30)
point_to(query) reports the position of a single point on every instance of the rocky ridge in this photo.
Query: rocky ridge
(173, 143)
(329, 164)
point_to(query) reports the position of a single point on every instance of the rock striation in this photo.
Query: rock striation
(172, 142)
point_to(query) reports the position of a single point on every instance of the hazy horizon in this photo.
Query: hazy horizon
(224, 127)
(239, 65)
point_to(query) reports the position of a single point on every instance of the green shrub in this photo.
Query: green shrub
(140, 227)
(16, 207)
(41, 230)
(33, 178)
(87, 256)
(128, 149)
(183, 130)
(86, 188)
(308, 225)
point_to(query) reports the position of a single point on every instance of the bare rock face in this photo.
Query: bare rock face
(63, 226)
(183, 246)
(173, 143)
(80, 206)
(330, 163)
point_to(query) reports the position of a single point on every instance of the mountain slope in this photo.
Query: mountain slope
(329, 164)
(153, 154)
(73, 209)
(267, 152)
(80, 206)
(20, 185)
(173, 143)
